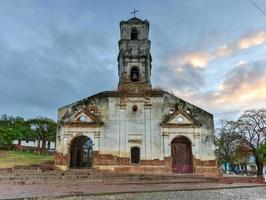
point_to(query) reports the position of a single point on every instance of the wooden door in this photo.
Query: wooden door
(181, 155)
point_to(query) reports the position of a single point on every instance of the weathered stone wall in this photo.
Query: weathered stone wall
(134, 53)
(141, 26)
(124, 128)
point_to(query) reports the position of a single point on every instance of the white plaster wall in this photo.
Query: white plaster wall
(156, 130)
(123, 128)
(109, 136)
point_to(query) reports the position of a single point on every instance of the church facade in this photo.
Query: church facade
(136, 129)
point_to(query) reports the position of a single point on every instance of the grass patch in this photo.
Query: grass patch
(11, 158)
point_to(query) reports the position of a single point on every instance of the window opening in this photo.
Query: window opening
(134, 34)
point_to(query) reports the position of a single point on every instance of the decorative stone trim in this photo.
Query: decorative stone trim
(84, 124)
(180, 126)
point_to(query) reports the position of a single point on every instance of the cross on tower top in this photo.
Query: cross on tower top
(134, 12)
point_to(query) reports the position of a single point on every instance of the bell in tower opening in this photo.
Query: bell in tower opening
(134, 75)
(134, 59)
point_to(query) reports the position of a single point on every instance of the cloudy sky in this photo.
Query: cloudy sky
(211, 53)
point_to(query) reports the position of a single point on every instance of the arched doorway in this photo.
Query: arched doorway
(181, 155)
(81, 152)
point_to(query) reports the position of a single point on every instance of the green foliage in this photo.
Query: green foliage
(262, 151)
(44, 129)
(13, 128)
(16, 128)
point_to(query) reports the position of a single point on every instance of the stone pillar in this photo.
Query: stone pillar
(96, 141)
(197, 152)
(96, 148)
(148, 136)
(122, 129)
(167, 152)
(166, 147)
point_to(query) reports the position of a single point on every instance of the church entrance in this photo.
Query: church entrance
(81, 152)
(181, 155)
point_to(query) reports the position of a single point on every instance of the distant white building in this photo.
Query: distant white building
(34, 143)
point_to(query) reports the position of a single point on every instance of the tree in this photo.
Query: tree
(250, 130)
(13, 128)
(262, 151)
(225, 145)
(44, 129)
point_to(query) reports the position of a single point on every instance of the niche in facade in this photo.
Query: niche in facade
(135, 108)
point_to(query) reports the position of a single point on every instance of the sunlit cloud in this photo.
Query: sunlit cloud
(244, 87)
(256, 39)
(197, 60)
(243, 94)
(201, 59)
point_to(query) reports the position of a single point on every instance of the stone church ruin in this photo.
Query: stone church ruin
(136, 129)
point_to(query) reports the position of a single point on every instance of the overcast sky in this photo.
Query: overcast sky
(211, 53)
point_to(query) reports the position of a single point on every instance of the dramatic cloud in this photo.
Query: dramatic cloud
(201, 59)
(245, 84)
(240, 75)
(199, 51)
(48, 76)
(243, 87)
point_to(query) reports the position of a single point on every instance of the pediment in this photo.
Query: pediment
(84, 117)
(179, 119)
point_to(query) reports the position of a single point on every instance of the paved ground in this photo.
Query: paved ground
(258, 193)
(52, 191)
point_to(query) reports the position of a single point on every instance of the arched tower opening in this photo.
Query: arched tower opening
(134, 34)
(134, 74)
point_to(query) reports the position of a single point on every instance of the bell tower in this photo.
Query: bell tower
(134, 59)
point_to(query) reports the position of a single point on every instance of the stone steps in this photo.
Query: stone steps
(36, 176)
(73, 177)
(11, 177)
(241, 179)
(110, 182)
